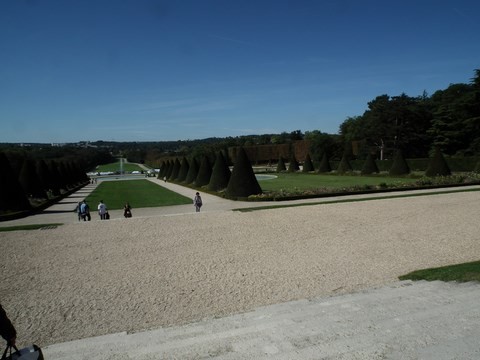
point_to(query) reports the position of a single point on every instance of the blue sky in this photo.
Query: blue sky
(153, 70)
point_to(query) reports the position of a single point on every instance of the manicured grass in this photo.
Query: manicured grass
(460, 272)
(116, 167)
(139, 193)
(300, 181)
(373, 197)
(29, 227)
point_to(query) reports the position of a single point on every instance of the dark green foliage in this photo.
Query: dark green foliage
(308, 165)
(182, 174)
(344, 165)
(169, 169)
(12, 196)
(55, 181)
(175, 170)
(43, 175)
(324, 166)
(204, 172)
(370, 166)
(293, 165)
(161, 173)
(477, 167)
(31, 185)
(192, 171)
(399, 166)
(437, 165)
(243, 182)
(281, 165)
(220, 174)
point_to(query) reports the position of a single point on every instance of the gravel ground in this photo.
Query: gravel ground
(88, 279)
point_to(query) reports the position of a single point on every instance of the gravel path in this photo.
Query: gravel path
(87, 279)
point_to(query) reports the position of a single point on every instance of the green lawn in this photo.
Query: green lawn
(139, 193)
(299, 181)
(460, 272)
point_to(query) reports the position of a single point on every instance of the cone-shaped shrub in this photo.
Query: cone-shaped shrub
(192, 171)
(324, 166)
(399, 166)
(243, 182)
(220, 174)
(161, 173)
(308, 165)
(281, 165)
(182, 174)
(12, 196)
(29, 180)
(437, 165)
(175, 170)
(55, 183)
(43, 175)
(293, 165)
(477, 167)
(204, 172)
(369, 166)
(344, 165)
(169, 171)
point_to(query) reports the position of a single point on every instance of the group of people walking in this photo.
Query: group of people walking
(83, 211)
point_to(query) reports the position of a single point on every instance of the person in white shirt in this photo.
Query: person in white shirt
(102, 210)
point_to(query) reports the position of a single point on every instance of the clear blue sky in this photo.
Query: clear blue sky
(148, 70)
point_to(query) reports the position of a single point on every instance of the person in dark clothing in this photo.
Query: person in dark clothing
(7, 330)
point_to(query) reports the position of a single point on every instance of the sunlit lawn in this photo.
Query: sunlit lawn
(299, 181)
(459, 272)
(138, 193)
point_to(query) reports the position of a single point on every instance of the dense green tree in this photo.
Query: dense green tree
(220, 174)
(243, 182)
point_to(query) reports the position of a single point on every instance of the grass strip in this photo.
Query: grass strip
(138, 193)
(459, 272)
(29, 227)
(269, 207)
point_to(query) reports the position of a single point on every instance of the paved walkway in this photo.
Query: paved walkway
(436, 321)
(405, 320)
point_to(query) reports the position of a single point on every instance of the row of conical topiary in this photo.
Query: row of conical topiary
(241, 182)
(37, 181)
(436, 167)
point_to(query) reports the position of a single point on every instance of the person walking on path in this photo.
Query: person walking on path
(127, 210)
(197, 202)
(7, 330)
(79, 210)
(102, 210)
